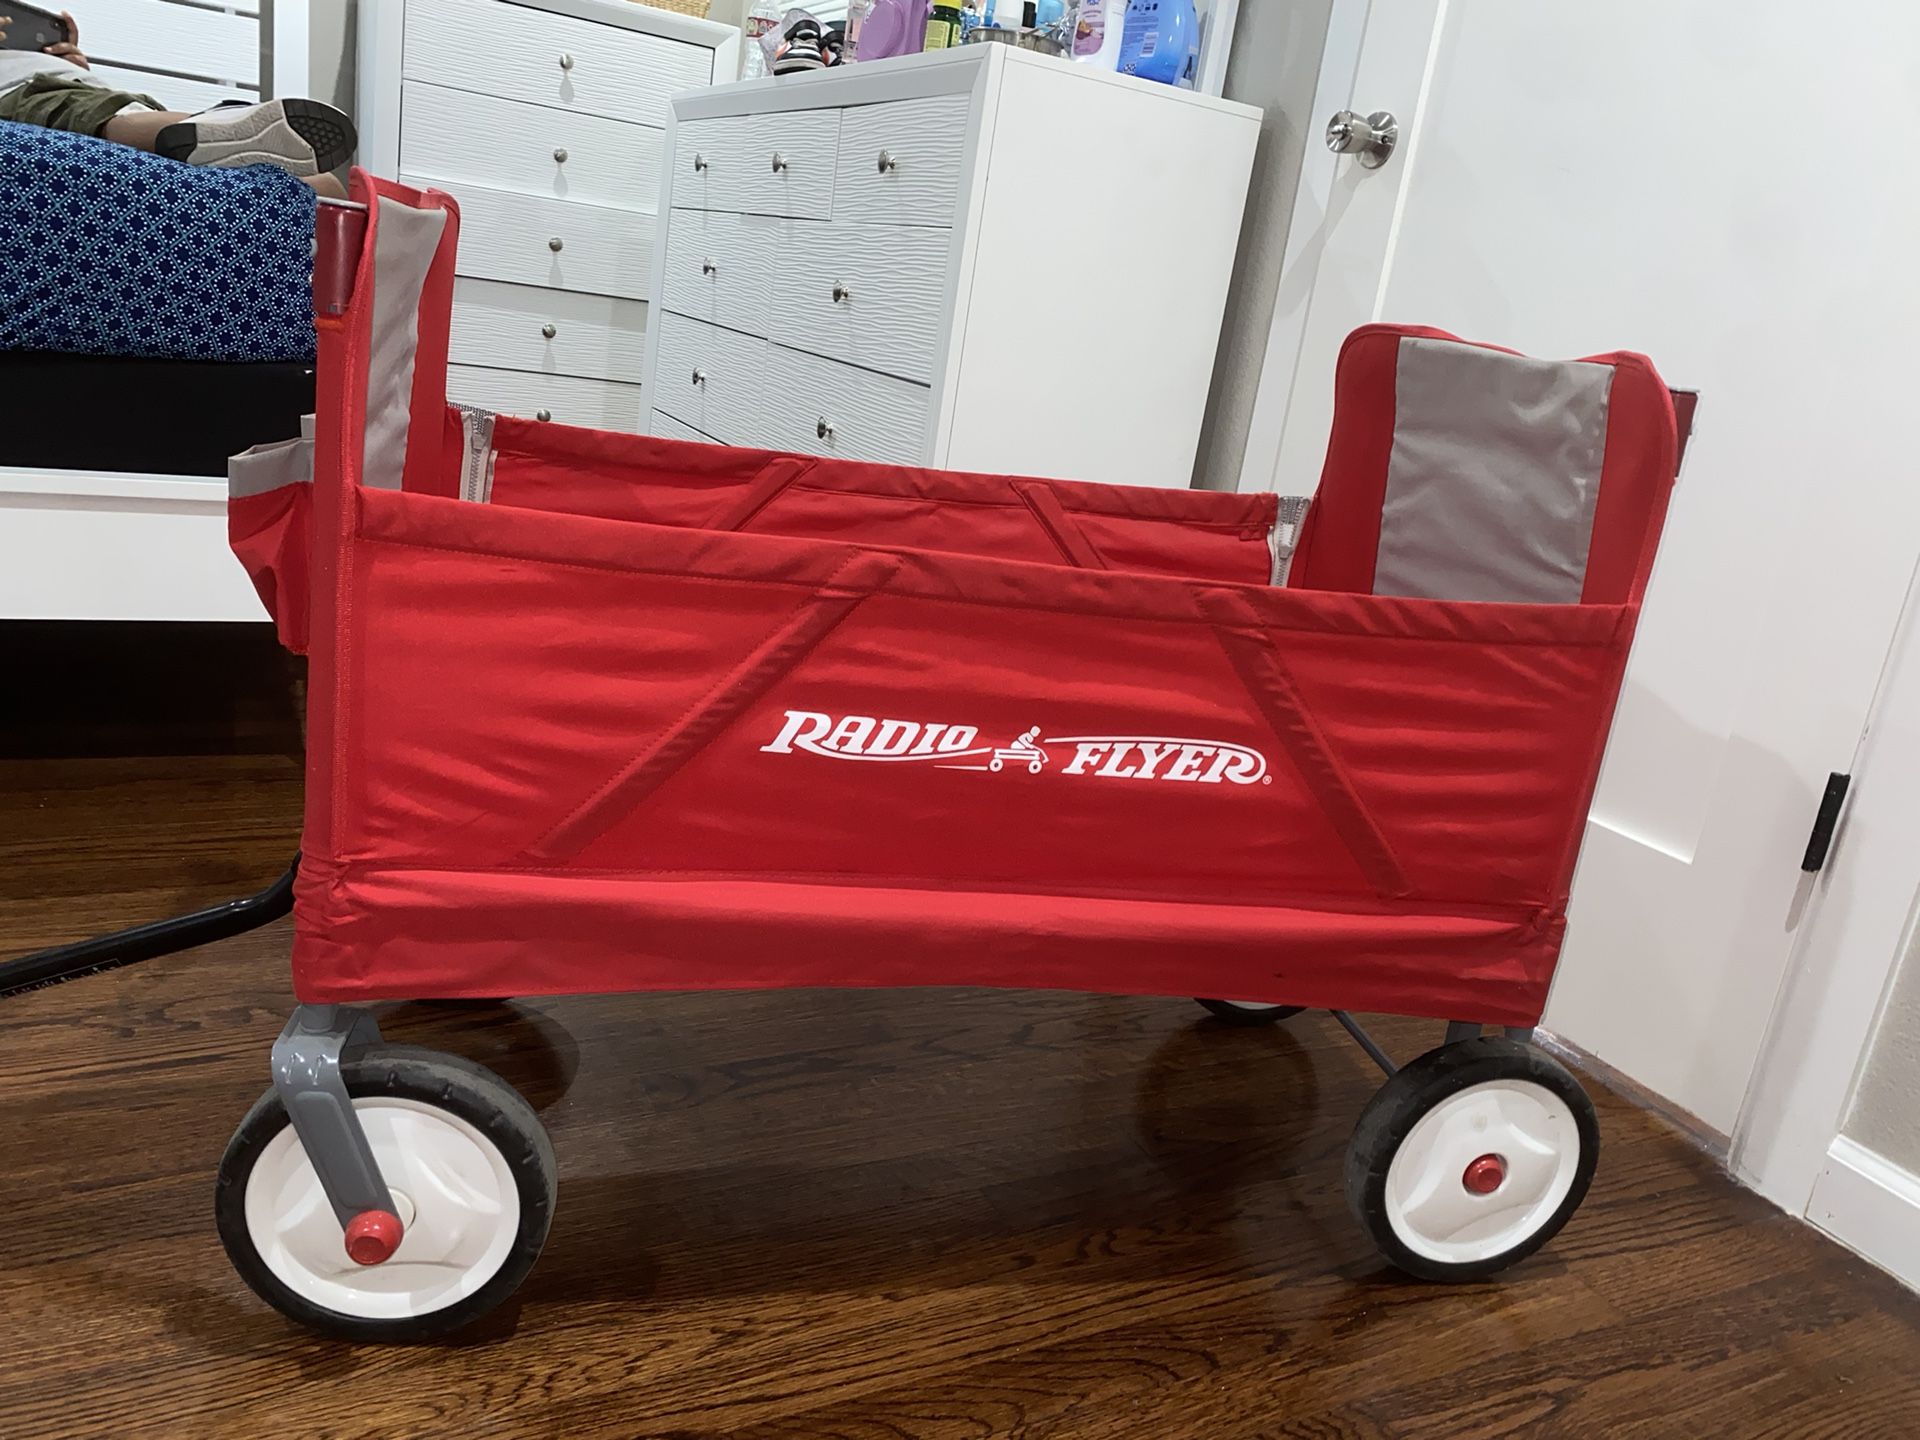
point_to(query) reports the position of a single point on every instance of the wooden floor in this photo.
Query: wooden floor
(877, 1216)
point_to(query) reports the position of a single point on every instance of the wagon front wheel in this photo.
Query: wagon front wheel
(473, 1180)
(1471, 1158)
(1248, 1012)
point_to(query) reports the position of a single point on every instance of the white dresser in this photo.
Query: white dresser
(976, 259)
(544, 119)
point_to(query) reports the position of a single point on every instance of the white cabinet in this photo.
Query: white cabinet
(976, 259)
(546, 120)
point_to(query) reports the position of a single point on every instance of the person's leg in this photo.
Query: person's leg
(140, 128)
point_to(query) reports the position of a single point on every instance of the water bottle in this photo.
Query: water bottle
(762, 19)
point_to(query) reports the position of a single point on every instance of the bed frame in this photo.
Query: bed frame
(155, 546)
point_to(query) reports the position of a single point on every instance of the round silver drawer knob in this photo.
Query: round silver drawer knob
(823, 429)
(543, 414)
(556, 244)
(549, 330)
(888, 164)
(841, 292)
(699, 163)
(566, 62)
(559, 156)
(707, 267)
(779, 163)
(699, 377)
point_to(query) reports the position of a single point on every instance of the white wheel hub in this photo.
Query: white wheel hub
(1482, 1171)
(452, 1188)
(1251, 1005)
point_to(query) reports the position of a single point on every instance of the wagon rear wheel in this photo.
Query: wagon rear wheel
(1471, 1158)
(1248, 1012)
(473, 1179)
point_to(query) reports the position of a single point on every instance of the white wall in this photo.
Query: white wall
(1275, 64)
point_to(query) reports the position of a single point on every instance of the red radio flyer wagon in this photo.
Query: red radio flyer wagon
(594, 713)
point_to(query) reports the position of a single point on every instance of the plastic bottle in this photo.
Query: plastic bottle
(943, 27)
(856, 21)
(762, 19)
(894, 27)
(1098, 31)
(1159, 40)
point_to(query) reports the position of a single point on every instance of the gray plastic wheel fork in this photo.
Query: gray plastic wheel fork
(306, 1073)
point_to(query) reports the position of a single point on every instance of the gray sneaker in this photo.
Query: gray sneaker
(303, 137)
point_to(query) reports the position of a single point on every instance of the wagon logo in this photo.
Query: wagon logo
(957, 747)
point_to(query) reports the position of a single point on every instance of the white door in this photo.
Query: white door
(1701, 182)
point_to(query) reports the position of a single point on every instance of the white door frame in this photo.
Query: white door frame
(1835, 979)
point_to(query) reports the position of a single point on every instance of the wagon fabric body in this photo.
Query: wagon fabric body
(598, 713)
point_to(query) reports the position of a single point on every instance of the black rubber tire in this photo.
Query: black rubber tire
(1414, 1090)
(1233, 1013)
(433, 1077)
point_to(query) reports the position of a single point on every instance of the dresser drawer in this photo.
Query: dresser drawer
(900, 163)
(718, 266)
(710, 378)
(564, 399)
(870, 295)
(453, 136)
(530, 240)
(709, 163)
(518, 327)
(787, 163)
(668, 428)
(519, 53)
(864, 416)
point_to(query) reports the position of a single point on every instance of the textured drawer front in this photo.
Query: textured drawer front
(505, 327)
(787, 163)
(512, 238)
(519, 53)
(453, 136)
(710, 378)
(867, 416)
(869, 295)
(665, 426)
(921, 141)
(709, 163)
(565, 399)
(719, 266)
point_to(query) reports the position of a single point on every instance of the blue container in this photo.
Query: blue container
(1160, 39)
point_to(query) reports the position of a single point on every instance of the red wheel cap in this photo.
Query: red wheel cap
(1485, 1175)
(373, 1236)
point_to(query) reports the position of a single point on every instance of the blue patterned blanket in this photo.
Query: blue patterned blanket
(108, 251)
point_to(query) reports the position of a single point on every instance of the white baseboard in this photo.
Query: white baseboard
(1871, 1206)
(1696, 1131)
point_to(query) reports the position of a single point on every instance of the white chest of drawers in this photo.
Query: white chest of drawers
(977, 259)
(545, 120)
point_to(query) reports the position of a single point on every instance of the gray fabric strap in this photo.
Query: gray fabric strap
(269, 467)
(404, 244)
(1493, 476)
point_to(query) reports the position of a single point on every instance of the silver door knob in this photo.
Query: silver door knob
(707, 267)
(699, 163)
(1369, 139)
(543, 414)
(566, 62)
(548, 330)
(556, 244)
(699, 377)
(841, 292)
(887, 163)
(559, 157)
(823, 429)
(779, 163)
